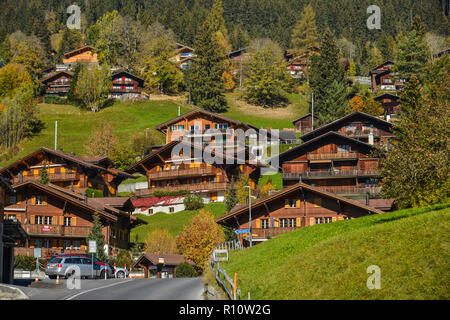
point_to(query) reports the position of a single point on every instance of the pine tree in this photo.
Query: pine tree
(412, 56)
(45, 179)
(96, 234)
(231, 199)
(204, 76)
(305, 33)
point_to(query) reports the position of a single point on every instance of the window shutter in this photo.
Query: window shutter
(258, 223)
(297, 222)
(311, 221)
(44, 200)
(32, 221)
(33, 200)
(286, 203)
(297, 204)
(61, 220)
(74, 221)
(333, 219)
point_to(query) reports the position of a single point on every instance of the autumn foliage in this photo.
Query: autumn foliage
(199, 238)
(160, 241)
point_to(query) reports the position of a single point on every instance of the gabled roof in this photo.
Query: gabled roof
(200, 111)
(386, 96)
(321, 137)
(81, 49)
(64, 196)
(383, 64)
(68, 157)
(285, 192)
(55, 75)
(305, 116)
(145, 203)
(169, 259)
(321, 130)
(128, 73)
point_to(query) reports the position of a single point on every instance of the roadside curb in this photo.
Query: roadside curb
(11, 293)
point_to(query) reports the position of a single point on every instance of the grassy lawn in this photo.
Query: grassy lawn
(329, 261)
(173, 223)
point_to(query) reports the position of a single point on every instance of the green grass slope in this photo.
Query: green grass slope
(174, 223)
(329, 261)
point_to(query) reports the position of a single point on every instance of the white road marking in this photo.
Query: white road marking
(93, 289)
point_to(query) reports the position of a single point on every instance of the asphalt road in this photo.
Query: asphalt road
(118, 289)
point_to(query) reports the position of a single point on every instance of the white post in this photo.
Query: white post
(312, 111)
(56, 134)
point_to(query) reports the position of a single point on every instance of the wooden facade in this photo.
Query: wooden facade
(59, 221)
(183, 56)
(334, 163)
(58, 83)
(389, 102)
(85, 54)
(202, 124)
(384, 79)
(305, 124)
(297, 206)
(160, 265)
(170, 169)
(357, 125)
(67, 171)
(124, 82)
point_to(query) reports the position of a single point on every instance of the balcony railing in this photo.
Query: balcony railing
(208, 187)
(46, 252)
(182, 173)
(56, 230)
(332, 156)
(54, 177)
(331, 173)
(361, 133)
(57, 90)
(270, 232)
(351, 189)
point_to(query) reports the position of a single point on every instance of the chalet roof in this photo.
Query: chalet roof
(69, 198)
(78, 50)
(321, 130)
(303, 117)
(145, 203)
(200, 111)
(383, 64)
(182, 46)
(13, 231)
(238, 210)
(54, 75)
(379, 204)
(128, 73)
(6, 183)
(321, 137)
(169, 259)
(386, 96)
(286, 135)
(68, 157)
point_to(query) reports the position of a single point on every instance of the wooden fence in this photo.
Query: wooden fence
(222, 278)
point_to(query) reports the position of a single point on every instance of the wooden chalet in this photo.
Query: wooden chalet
(183, 56)
(123, 82)
(57, 220)
(58, 83)
(159, 265)
(334, 163)
(170, 168)
(67, 171)
(85, 54)
(389, 102)
(203, 124)
(357, 125)
(383, 78)
(305, 124)
(296, 206)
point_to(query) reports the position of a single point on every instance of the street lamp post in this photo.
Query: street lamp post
(250, 215)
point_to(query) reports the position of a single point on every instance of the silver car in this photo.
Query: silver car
(65, 266)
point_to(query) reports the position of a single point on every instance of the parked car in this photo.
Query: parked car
(62, 265)
(119, 272)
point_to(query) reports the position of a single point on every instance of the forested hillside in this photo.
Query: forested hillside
(245, 19)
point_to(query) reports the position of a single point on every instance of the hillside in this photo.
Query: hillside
(129, 119)
(329, 261)
(173, 223)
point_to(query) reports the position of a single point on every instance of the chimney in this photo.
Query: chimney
(371, 138)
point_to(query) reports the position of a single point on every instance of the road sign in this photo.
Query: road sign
(92, 246)
(161, 260)
(37, 252)
(242, 231)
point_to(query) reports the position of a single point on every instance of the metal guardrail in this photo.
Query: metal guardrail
(222, 277)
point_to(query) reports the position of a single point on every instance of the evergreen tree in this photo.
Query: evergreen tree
(73, 83)
(204, 76)
(45, 179)
(412, 56)
(96, 234)
(334, 104)
(305, 33)
(231, 199)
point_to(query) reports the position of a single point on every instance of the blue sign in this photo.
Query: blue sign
(242, 231)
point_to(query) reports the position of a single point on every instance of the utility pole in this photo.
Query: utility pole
(56, 134)
(250, 215)
(312, 111)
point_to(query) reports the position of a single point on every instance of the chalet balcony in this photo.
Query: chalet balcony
(208, 187)
(125, 90)
(188, 172)
(268, 233)
(319, 174)
(351, 189)
(57, 90)
(56, 230)
(333, 156)
(46, 252)
(54, 177)
(125, 82)
(361, 133)
(212, 131)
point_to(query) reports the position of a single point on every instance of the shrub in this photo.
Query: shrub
(193, 202)
(185, 270)
(50, 99)
(96, 193)
(26, 262)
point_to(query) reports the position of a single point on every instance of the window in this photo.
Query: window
(37, 243)
(343, 148)
(171, 209)
(150, 211)
(283, 223)
(39, 200)
(292, 223)
(207, 126)
(223, 125)
(328, 219)
(67, 221)
(48, 220)
(38, 220)
(86, 261)
(319, 220)
(76, 244)
(347, 218)
(12, 217)
(66, 244)
(317, 202)
(264, 223)
(292, 203)
(12, 199)
(47, 244)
